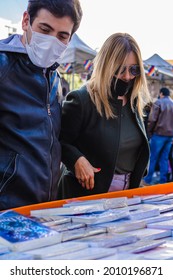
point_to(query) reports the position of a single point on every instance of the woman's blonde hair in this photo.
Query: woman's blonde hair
(107, 62)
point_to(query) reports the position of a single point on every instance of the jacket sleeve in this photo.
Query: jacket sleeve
(71, 125)
(153, 118)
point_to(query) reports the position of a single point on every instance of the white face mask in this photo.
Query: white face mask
(44, 50)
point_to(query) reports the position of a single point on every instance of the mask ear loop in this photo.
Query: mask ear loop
(29, 29)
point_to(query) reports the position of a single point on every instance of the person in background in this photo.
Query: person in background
(160, 131)
(147, 110)
(30, 152)
(65, 87)
(104, 143)
(170, 173)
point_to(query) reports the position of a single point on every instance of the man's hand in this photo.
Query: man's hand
(84, 172)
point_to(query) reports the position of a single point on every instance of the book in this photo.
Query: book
(162, 207)
(141, 246)
(57, 249)
(4, 249)
(142, 207)
(161, 198)
(75, 208)
(165, 208)
(20, 233)
(125, 226)
(146, 197)
(150, 233)
(52, 220)
(80, 233)
(134, 200)
(169, 243)
(162, 254)
(109, 240)
(144, 213)
(162, 225)
(160, 218)
(85, 254)
(134, 207)
(71, 210)
(104, 217)
(16, 256)
(124, 256)
(108, 203)
(68, 226)
(165, 201)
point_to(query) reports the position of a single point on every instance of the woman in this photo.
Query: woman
(104, 144)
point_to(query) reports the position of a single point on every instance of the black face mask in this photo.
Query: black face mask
(122, 87)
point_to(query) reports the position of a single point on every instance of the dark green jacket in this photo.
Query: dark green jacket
(85, 133)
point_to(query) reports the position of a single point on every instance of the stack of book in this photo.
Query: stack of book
(140, 227)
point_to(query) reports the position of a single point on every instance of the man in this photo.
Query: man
(160, 131)
(30, 152)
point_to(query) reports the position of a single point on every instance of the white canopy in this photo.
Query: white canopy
(77, 51)
(163, 68)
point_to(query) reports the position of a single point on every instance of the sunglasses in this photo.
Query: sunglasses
(134, 70)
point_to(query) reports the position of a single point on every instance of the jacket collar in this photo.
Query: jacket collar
(9, 45)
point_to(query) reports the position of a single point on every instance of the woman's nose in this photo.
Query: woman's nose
(126, 75)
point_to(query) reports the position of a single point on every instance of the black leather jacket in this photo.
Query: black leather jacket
(29, 129)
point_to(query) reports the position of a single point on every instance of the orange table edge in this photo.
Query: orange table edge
(149, 190)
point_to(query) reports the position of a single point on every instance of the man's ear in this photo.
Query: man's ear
(25, 21)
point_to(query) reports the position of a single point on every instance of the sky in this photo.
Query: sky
(148, 21)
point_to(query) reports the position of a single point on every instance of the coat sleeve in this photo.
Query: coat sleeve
(153, 118)
(71, 125)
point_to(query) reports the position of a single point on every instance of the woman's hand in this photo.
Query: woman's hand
(84, 172)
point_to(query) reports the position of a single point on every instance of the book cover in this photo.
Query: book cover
(20, 233)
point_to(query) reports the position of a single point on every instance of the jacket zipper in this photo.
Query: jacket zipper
(49, 114)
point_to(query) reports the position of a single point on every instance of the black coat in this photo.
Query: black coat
(85, 133)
